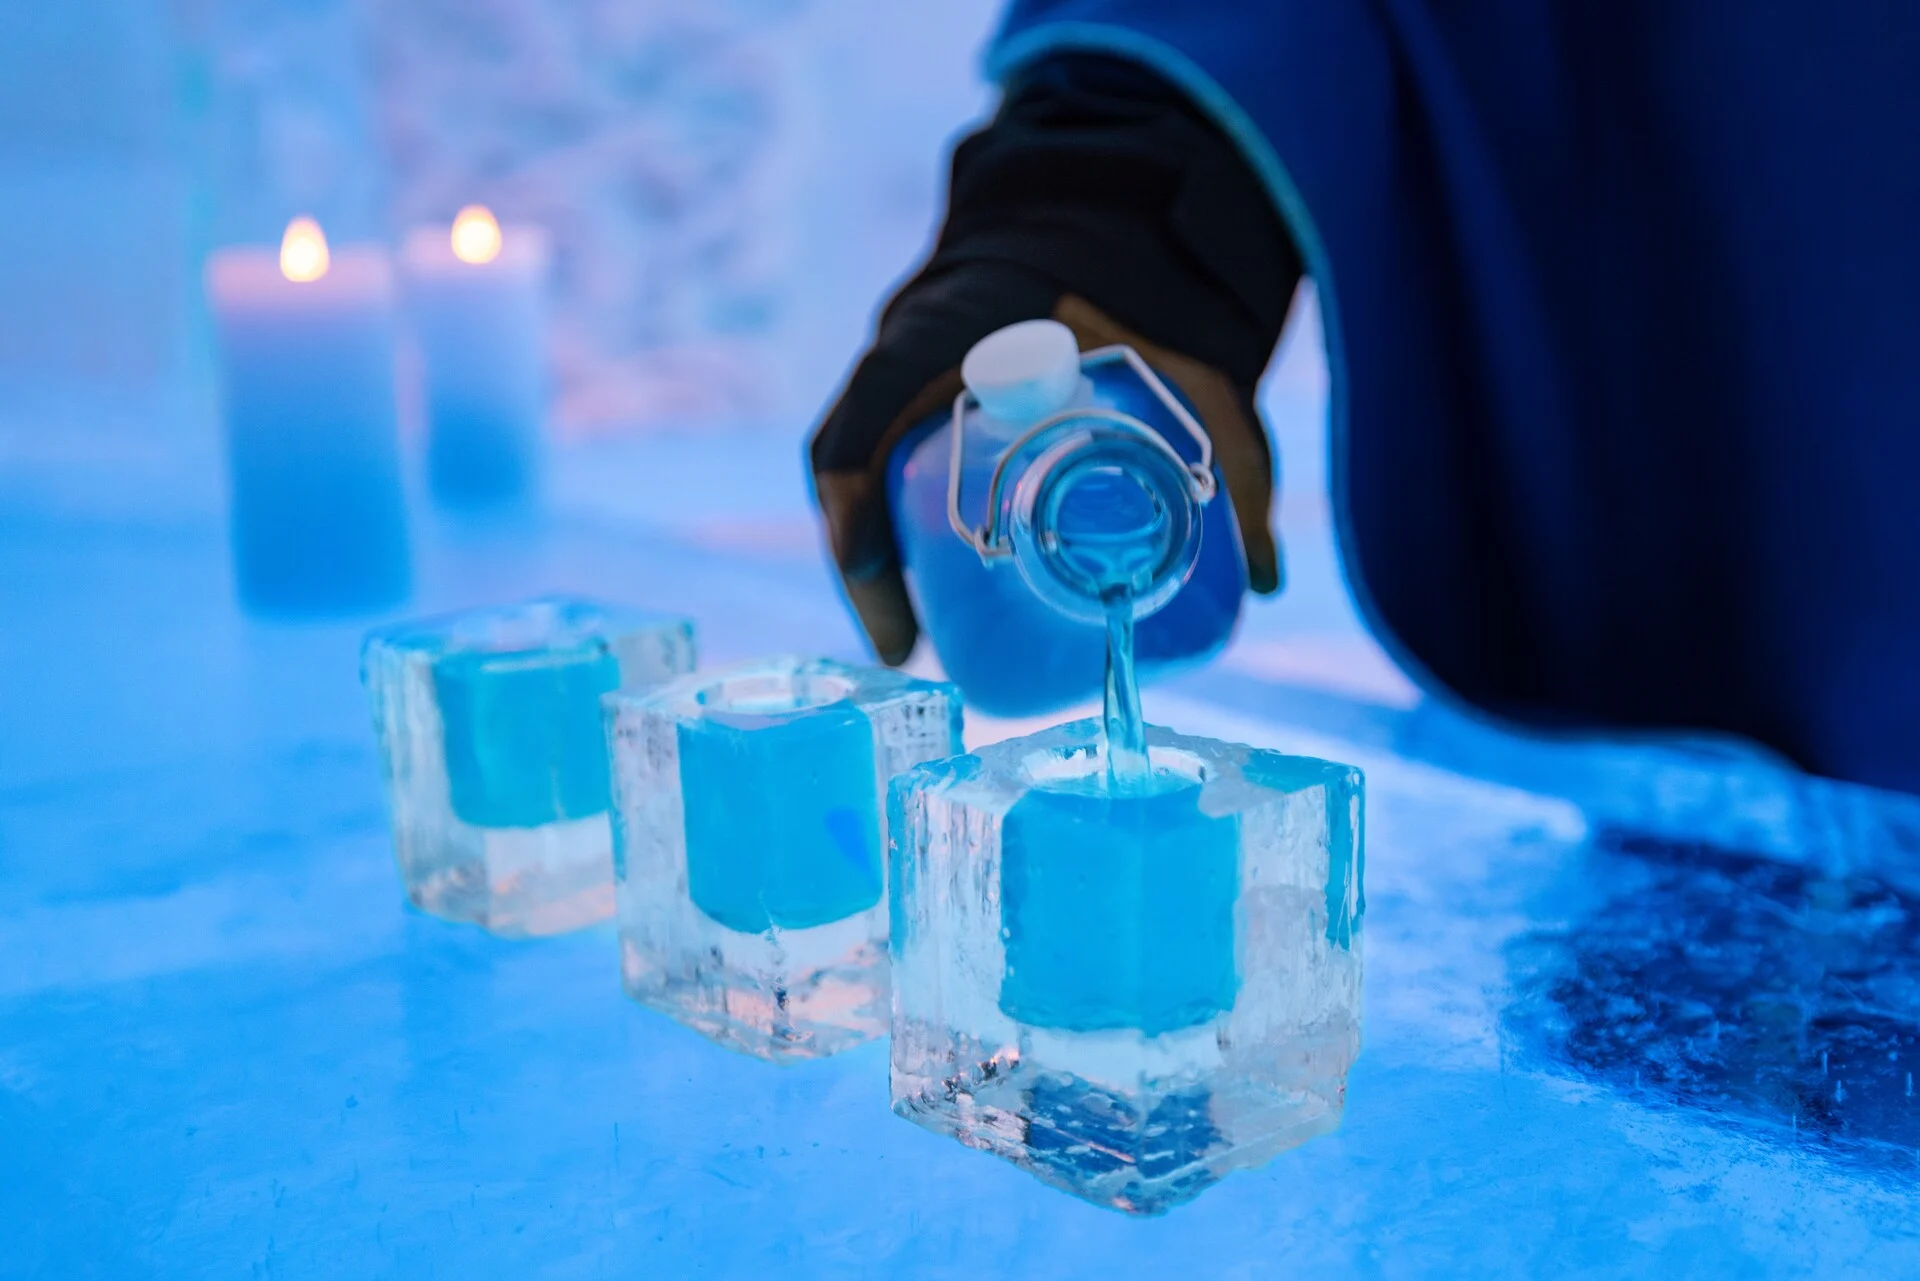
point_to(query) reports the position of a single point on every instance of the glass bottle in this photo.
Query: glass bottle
(1058, 481)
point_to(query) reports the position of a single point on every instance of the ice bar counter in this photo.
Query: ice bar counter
(1628, 1012)
(490, 736)
(751, 846)
(1128, 992)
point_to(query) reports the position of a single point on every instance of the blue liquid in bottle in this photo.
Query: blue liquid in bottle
(998, 621)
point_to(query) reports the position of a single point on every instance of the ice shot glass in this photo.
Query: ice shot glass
(489, 728)
(1127, 993)
(750, 846)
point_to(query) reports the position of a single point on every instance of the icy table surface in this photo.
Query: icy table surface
(1627, 1010)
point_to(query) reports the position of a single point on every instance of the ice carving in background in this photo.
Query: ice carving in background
(648, 137)
(1128, 995)
(496, 766)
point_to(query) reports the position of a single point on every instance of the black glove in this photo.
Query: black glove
(1098, 196)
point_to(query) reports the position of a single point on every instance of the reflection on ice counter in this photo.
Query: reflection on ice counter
(1759, 993)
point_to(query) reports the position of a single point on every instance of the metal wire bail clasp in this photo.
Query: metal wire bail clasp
(990, 540)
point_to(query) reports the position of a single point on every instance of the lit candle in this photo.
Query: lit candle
(478, 301)
(318, 516)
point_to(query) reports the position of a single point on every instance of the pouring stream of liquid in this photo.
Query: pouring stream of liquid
(1127, 766)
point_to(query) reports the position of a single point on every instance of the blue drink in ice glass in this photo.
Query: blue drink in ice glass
(495, 758)
(806, 851)
(1128, 993)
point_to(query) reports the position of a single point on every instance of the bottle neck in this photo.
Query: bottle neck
(1105, 512)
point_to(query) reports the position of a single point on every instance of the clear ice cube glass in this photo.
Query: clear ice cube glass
(490, 738)
(1127, 995)
(750, 846)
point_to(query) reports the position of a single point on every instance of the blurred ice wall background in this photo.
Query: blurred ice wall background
(93, 204)
(732, 184)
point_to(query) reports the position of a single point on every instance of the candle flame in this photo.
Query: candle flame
(303, 251)
(476, 236)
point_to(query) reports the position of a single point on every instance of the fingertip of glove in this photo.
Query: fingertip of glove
(886, 614)
(893, 639)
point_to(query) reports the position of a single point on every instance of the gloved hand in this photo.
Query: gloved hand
(1098, 196)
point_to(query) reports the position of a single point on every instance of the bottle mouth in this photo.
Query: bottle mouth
(1108, 528)
(1105, 516)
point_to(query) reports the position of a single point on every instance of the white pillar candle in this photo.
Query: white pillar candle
(318, 515)
(477, 297)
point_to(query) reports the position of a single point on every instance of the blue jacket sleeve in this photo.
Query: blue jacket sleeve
(1620, 326)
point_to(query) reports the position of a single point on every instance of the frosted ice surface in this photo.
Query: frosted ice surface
(496, 766)
(227, 1051)
(1763, 993)
(751, 838)
(1132, 995)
